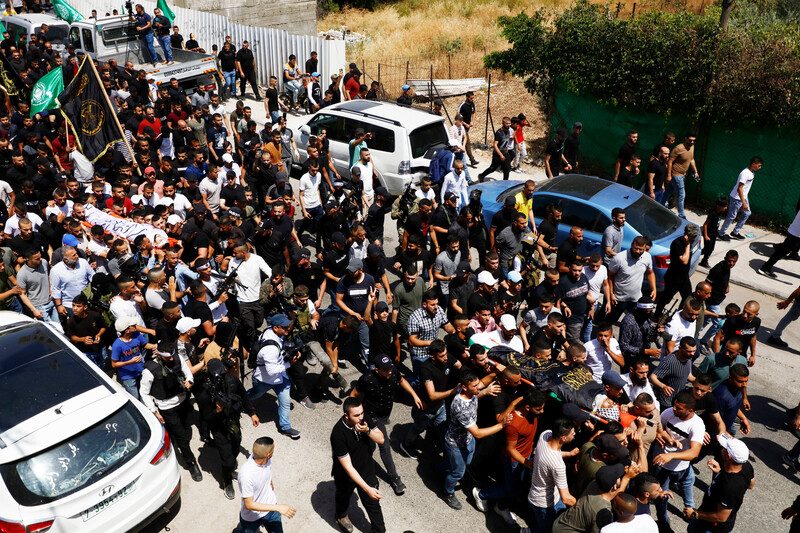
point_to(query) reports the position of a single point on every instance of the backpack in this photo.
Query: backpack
(435, 168)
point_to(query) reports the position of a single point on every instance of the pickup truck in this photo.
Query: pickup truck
(115, 37)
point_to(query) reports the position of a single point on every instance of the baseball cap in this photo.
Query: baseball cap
(200, 209)
(374, 250)
(149, 170)
(380, 307)
(486, 278)
(736, 449)
(510, 201)
(355, 265)
(190, 177)
(463, 268)
(578, 125)
(124, 322)
(612, 378)
(449, 195)
(280, 176)
(382, 191)
(562, 132)
(406, 87)
(279, 320)
(166, 201)
(173, 219)
(607, 476)
(514, 276)
(508, 323)
(338, 237)
(227, 158)
(691, 230)
(338, 183)
(186, 323)
(69, 240)
(356, 171)
(608, 443)
(315, 74)
(302, 253)
(382, 362)
(331, 204)
(235, 212)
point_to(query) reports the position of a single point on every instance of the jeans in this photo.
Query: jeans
(736, 207)
(132, 386)
(296, 86)
(98, 358)
(271, 522)
(230, 81)
(50, 313)
(545, 516)
(166, 46)
(715, 322)
(457, 458)
(685, 480)
(513, 479)
(678, 187)
(791, 315)
(15, 305)
(385, 449)
(284, 401)
(148, 42)
(588, 326)
(424, 420)
(275, 116)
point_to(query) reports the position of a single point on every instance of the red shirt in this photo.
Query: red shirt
(352, 87)
(522, 431)
(156, 125)
(61, 151)
(127, 205)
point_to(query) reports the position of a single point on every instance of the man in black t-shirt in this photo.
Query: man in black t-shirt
(626, 151)
(676, 278)
(554, 159)
(711, 229)
(548, 231)
(246, 66)
(552, 335)
(272, 103)
(351, 440)
(656, 175)
(568, 250)
(572, 146)
(467, 112)
(419, 224)
(85, 328)
(745, 326)
(573, 288)
(628, 174)
(719, 278)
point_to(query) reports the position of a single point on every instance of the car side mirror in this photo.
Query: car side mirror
(305, 130)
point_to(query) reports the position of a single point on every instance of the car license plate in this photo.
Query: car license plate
(104, 504)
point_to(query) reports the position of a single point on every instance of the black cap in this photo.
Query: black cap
(608, 476)
(382, 362)
(380, 307)
(374, 250)
(463, 268)
(562, 132)
(608, 443)
(338, 237)
(280, 177)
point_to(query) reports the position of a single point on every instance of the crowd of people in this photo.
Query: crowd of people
(243, 270)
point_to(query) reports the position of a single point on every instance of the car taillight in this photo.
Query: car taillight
(404, 167)
(661, 261)
(164, 451)
(211, 87)
(15, 527)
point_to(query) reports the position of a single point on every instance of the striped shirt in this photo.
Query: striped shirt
(672, 373)
(549, 474)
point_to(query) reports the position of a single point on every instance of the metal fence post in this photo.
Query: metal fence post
(486, 127)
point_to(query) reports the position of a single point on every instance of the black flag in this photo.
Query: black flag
(86, 108)
(17, 90)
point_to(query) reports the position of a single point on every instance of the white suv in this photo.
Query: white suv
(77, 453)
(403, 143)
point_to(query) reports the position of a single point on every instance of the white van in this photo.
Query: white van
(31, 23)
(403, 143)
(77, 453)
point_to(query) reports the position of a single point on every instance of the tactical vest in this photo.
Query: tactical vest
(302, 324)
(165, 383)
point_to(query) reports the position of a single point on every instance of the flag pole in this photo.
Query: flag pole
(111, 107)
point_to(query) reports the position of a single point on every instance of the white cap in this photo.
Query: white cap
(508, 322)
(486, 278)
(736, 448)
(165, 201)
(124, 322)
(186, 323)
(174, 219)
(227, 158)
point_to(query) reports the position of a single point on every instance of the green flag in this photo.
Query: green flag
(162, 5)
(66, 12)
(45, 92)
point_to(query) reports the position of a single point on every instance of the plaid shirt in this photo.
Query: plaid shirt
(426, 328)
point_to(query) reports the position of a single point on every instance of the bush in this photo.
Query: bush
(668, 63)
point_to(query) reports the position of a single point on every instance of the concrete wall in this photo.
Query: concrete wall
(295, 16)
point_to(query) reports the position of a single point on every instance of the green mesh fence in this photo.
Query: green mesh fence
(720, 153)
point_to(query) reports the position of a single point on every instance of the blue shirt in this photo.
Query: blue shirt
(729, 402)
(193, 170)
(125, 351)
(66, 283)
(142, 20)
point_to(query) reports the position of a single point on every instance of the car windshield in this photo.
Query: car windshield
(37, 374)
(57, 34)
(78, 461)
(424, 138)
(651, 219)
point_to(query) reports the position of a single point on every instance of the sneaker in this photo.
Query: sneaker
(291, 433)
(704, 264)
(736, 236)
(195, 472)
(507, 515)
(452, 501)
(518, 170)
(794, 463)
(767, 273)
(345, 524)
(311, 358)
(480, 503)
(723, 237)
(397, 485)
(307, 403)
(409, 450)
(777, 341)
(229, 492)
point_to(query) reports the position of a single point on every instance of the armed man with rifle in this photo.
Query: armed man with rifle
(163, 389)
(222, 399)
(638, 330)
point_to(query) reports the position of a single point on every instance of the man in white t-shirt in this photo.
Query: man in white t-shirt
(601, 351)
(597, 275)
(506, 335)
(260, 506)
(739, 204)
(682, 325)
(369, 176)
(20, 212)
(310, 203)
(684, 432)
